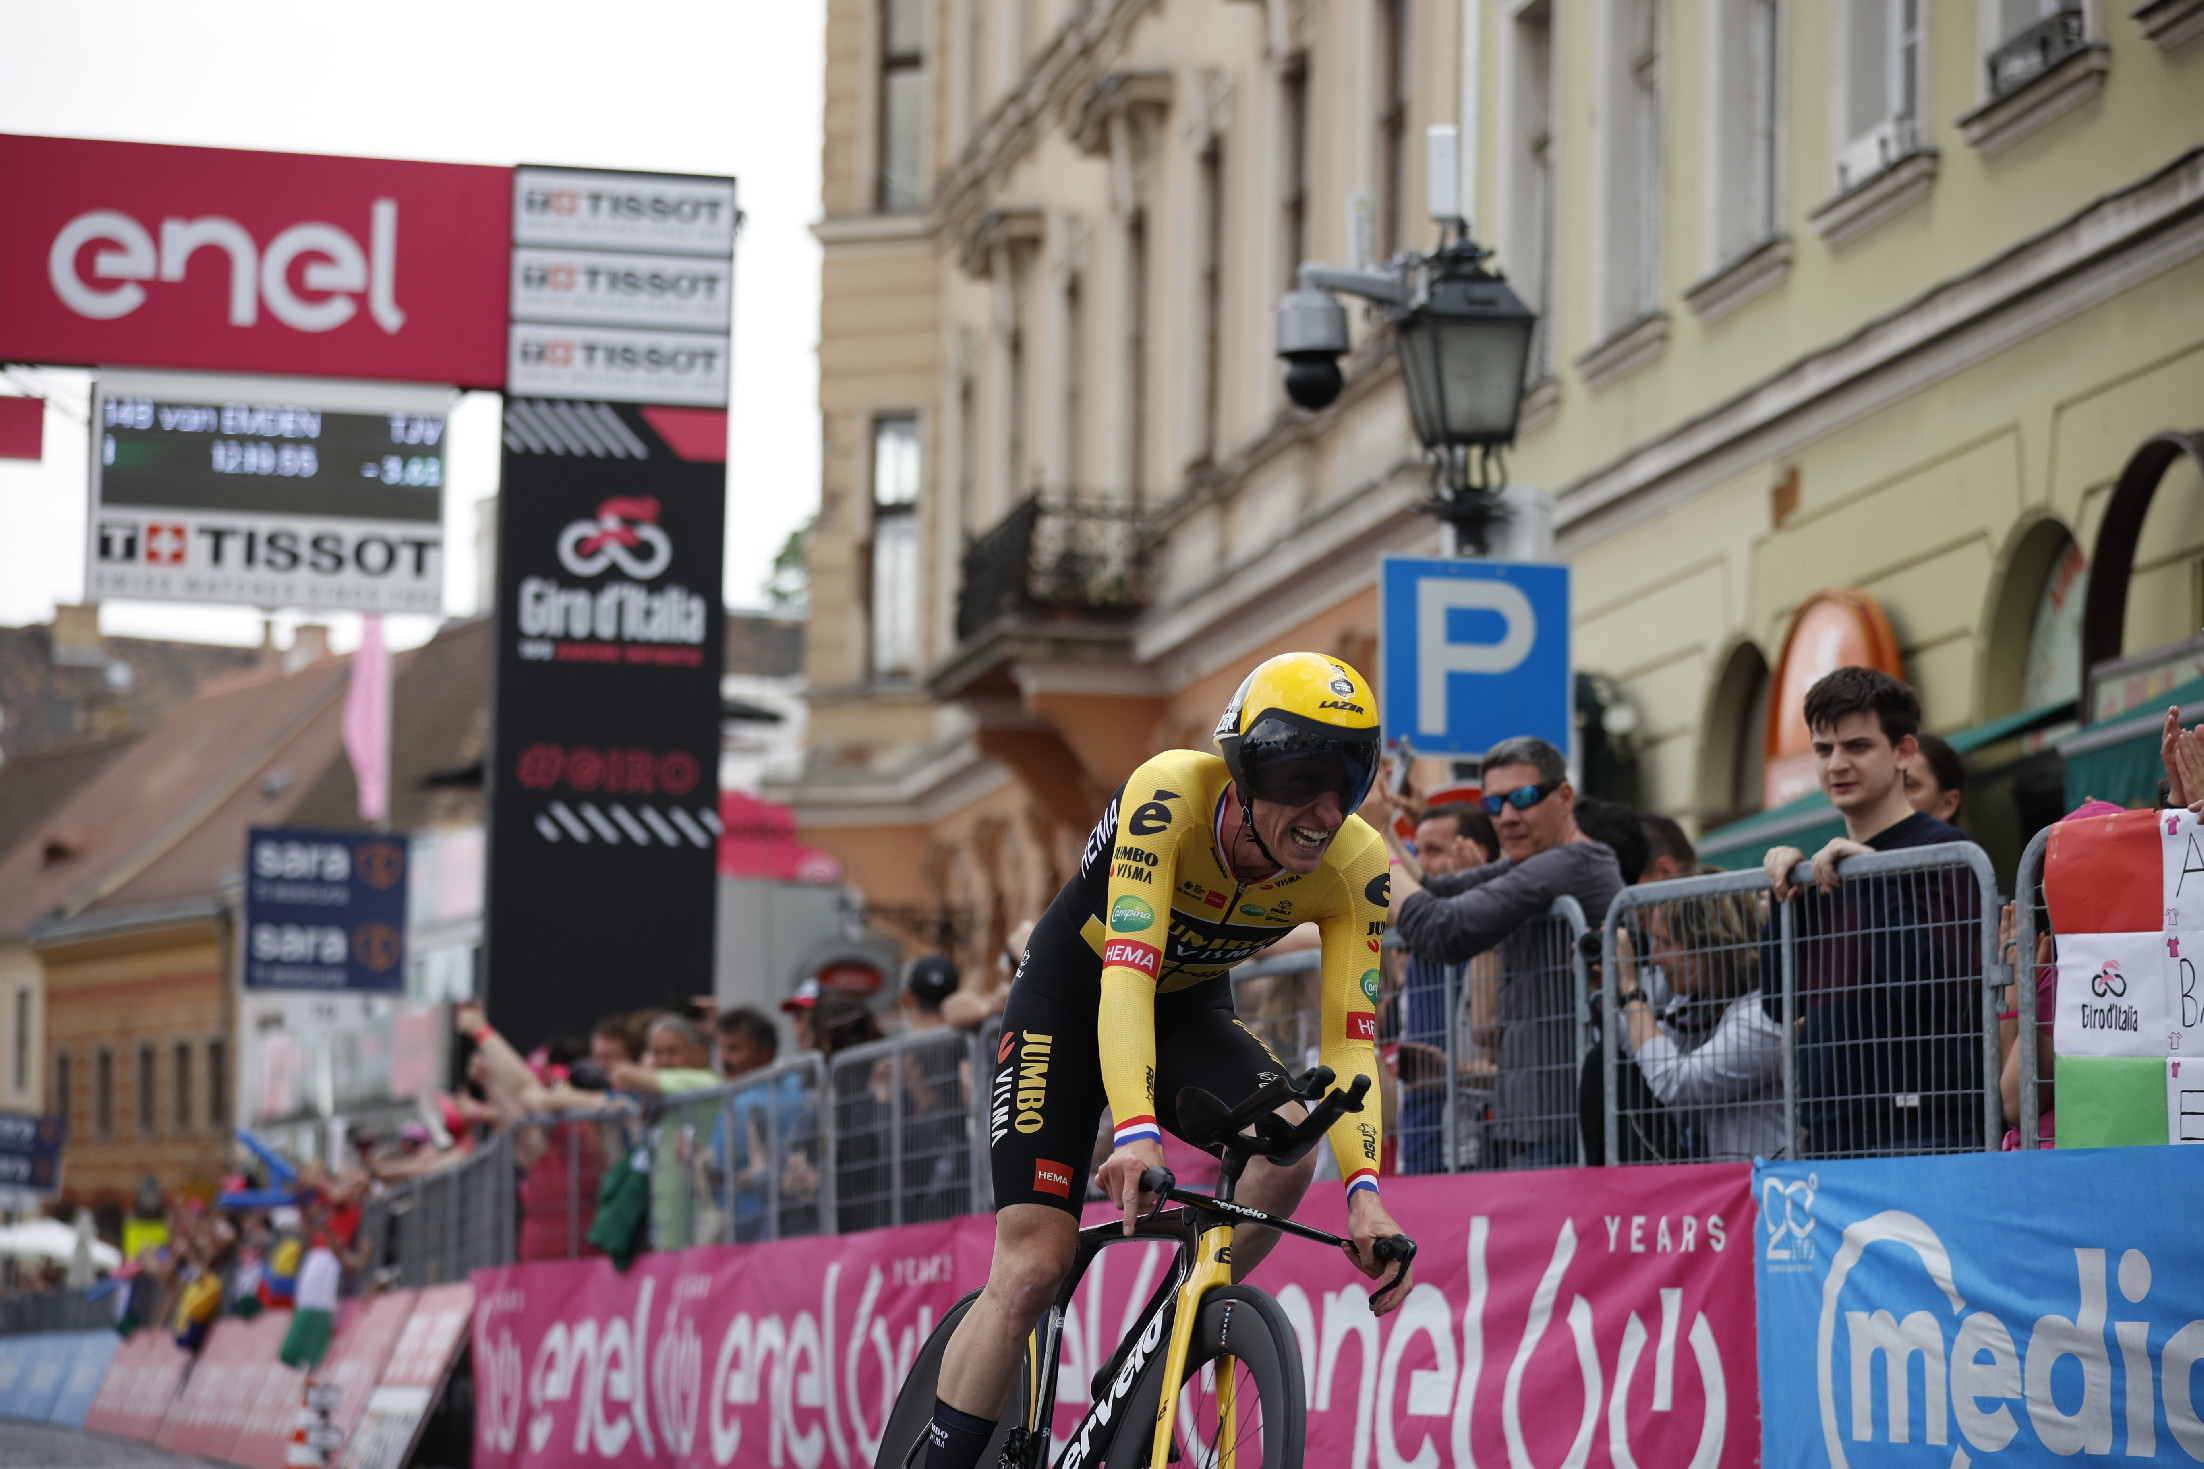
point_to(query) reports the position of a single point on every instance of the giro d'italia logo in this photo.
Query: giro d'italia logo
(624, 534)
(2108, 982)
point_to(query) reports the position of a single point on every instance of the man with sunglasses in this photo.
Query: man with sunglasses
(1450, 918)
(1199, 862)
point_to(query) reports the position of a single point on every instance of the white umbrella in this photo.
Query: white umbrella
(52, 1240)
(80, 1255)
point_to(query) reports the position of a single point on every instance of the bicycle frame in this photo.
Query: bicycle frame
(1203, 1229)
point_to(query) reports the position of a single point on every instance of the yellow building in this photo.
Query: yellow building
(1876, 297)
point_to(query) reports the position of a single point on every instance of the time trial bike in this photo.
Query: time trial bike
(1228, 1351)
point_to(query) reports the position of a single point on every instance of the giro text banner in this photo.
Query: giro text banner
(603, 778)
(1573, 1317)
(1989, 1309)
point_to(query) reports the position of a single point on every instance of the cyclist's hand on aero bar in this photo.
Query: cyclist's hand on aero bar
(1367, 1223)
(1119, 1178)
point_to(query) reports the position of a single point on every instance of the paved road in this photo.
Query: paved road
(25, 1447)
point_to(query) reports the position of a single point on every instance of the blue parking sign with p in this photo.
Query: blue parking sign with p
(1472, 653)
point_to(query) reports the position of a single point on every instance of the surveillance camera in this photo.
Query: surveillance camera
(1311, 335)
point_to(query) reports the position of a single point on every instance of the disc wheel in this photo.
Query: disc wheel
(1243, 1351)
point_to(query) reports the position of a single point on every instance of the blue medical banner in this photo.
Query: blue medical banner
(325, 910)
(1472, 652)
(30, 1151)
(2016, 1308)
(87, 1355)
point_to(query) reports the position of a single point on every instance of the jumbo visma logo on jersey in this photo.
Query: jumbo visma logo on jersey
(1131, 915)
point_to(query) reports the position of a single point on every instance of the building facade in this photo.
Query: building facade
(1866, 298)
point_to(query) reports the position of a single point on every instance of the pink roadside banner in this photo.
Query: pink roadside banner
(1577, 1316)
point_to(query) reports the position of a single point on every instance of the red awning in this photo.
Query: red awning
(760, 841)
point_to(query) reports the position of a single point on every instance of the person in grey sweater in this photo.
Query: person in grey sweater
(1451, 918)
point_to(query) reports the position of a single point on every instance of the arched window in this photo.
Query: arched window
(1733, 734)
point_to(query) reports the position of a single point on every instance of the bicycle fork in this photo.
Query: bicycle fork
(1212, 1269)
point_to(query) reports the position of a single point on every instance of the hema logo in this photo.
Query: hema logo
(1971, 1371)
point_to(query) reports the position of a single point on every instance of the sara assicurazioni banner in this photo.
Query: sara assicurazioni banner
(603, 774)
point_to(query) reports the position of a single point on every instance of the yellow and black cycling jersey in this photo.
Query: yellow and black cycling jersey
(1155, 911)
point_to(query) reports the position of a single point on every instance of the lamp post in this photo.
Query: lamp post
(1464, 340)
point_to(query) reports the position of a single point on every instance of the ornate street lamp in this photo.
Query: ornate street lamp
(1464, 340)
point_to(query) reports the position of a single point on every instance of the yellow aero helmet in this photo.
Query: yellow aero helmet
(1300, 725)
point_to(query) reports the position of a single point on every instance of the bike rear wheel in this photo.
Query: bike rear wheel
(901, 1440)
(1243, 1350)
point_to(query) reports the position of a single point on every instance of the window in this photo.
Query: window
(1294, 229)
(64, 1100)
(2031, 37)
(1529, 241)
(902, 105)
(147, 1064)
(1075, 380)
(22, 1065)
(179, 1119)
(1396, 62)
(1212, 296)
(1880, 52)
(1631, 145)
(968, 454)
(103, 1092)
(895, 546)
(218, 1083)
(1744, 146)
(1136, 351)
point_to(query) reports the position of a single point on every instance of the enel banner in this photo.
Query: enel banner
(1571, 1317)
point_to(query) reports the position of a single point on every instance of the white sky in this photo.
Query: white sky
(724, 88)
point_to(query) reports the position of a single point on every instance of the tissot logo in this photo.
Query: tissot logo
(311, 276)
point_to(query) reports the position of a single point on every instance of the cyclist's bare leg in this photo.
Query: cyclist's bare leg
(1274, 1190)
(1034, 1245)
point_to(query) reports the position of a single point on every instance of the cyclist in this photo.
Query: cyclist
(1197, 864)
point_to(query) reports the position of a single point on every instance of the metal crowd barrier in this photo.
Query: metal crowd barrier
(755, 1156)
(1854, 1023)
(2031, 916)
(910, 1137)
(55, 1310)
(1501, 1096)
(436, 1228)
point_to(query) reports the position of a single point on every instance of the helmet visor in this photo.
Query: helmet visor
(1291, 765)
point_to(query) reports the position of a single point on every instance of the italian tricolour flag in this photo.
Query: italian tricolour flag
(2126, 894)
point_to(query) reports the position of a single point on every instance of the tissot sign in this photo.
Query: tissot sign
(222, 259)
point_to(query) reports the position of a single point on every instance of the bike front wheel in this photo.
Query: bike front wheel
(1242, 1400)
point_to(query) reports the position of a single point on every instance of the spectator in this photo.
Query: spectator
(798, 1007)
(1452, 838)
(1623, 831)
(759, 1119)
(748, 1041)
(1455, 837)
(1669, 853)
(970, 1009)
(1937, 782)
(1889, 1050)
(1544, 854)
(936, 1081)
(1725, 1091)
(927, 985)
(679, 1062)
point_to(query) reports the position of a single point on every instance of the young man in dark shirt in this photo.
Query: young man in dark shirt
(1890, 1046)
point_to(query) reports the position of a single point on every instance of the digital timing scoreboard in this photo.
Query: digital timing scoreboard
(273, 492)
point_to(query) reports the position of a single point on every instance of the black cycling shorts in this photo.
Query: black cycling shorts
(1047, 1099)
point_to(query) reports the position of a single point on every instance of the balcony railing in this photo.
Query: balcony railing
(2035, 51)
(1055, 554)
